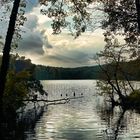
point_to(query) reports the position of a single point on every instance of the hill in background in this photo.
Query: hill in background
(40, 72)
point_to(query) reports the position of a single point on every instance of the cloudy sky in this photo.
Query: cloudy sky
(42, 47)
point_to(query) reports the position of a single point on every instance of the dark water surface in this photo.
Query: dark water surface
(87, 118)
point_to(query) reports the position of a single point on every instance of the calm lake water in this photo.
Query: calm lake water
(87, 118)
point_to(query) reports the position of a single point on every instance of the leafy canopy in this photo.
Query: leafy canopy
(72, 14)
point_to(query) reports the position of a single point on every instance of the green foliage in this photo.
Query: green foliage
(21, 83)
(16, 89)
(134, 98)
(131, 69)
(47, 73)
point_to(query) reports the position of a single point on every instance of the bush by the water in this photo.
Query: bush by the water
(134, 98)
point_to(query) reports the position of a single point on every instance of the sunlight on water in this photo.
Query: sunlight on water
(87, 118)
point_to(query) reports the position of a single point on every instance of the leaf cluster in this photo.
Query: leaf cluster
(67, 14)
(16, 89)
(21, 83)
(122, 19)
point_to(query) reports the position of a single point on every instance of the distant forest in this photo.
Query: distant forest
(131, 70)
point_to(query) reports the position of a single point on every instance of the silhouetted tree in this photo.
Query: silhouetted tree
(123, 17)
(116, 83)
(137, 2)
(7, 48)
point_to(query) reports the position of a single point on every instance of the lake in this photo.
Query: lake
(85, 118)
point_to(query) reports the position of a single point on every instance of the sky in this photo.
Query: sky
(42, 47)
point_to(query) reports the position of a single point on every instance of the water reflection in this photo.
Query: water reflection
(114, 117)
(120, 124)
(86, 118)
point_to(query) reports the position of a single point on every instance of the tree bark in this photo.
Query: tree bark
(137, 2)
(7, 48)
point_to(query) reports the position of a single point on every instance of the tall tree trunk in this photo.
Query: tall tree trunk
(7, 48)
(137, 2)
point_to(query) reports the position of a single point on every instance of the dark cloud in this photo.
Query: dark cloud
(72, 58)
(31, 40)
(67, 59)
(31, 43)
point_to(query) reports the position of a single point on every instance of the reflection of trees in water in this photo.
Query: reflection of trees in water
(119, 124)
(116, 121)
(14, 126)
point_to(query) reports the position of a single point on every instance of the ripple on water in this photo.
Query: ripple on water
(84, 118)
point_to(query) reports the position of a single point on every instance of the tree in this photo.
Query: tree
(122, 20)
(116, 83)
(137, 3)
(112, 57)
(123, 17)
(7, 47)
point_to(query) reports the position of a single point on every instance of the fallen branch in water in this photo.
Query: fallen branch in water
(48, 102)
(51, 101)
